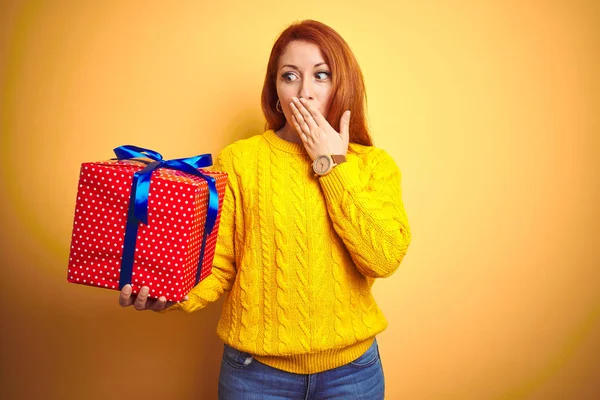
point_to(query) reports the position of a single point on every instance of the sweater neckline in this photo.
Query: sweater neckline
(283, 145)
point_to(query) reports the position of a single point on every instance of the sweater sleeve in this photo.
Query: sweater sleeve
(364, 201)
(223, 271)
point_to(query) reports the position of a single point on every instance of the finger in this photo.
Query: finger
(299, 129)
(300, 120)
(345, 126)
(308, 118)
(301, 133)
(125, 298)
(314, 112)
(151, 303)
(159, 304)
(142, 297)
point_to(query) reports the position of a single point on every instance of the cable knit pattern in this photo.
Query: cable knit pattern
(298, 201)
(284, 331)
(369, 214)
(340, 313)
(298, 255)
(234, 315)
(265, 222)
(320, 274)
(355, 318)
(248, 277)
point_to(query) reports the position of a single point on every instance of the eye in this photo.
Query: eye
(288, 75)
(325, 75)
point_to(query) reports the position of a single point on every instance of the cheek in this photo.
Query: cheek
(325, 101)
(285, 105)
(285, 98)
(287, 110)
(325, 107)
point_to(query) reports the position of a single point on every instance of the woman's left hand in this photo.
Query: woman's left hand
(317, 135)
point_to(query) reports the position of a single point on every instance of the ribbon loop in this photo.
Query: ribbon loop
(200, 161)
(129, 151)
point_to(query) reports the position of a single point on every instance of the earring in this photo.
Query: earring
(278, 104)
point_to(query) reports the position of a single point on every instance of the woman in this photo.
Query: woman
(312, 215)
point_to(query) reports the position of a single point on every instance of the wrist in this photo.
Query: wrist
(343, 178)
(325, 163)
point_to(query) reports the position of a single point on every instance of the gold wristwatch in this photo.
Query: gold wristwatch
(325, 163)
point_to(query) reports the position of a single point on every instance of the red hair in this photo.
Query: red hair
(348, 87)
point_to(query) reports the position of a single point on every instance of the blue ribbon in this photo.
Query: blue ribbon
(138, 201)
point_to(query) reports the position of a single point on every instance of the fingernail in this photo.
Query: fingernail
(127, 289)
(144, 291)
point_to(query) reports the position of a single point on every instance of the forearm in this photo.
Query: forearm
(367, 212)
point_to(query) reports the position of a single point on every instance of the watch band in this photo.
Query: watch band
(338, 158)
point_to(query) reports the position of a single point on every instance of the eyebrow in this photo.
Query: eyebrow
(295, 67)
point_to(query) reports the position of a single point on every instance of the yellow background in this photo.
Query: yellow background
(491, 110)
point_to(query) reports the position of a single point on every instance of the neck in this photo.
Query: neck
(289, 134)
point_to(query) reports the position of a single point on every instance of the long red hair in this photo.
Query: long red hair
(348, 86)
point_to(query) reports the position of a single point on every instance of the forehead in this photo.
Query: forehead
(301, 54)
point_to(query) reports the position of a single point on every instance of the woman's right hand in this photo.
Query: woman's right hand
(141, 302)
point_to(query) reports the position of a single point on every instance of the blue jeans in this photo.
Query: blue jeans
(244, 378)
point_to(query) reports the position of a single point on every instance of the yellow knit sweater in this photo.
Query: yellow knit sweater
(298, 255)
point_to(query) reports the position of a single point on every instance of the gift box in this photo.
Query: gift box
(144, 221)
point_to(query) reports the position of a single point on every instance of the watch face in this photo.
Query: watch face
(322, 164)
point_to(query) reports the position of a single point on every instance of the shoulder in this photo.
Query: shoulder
(239, 152)
(241, 146)
(370, 156)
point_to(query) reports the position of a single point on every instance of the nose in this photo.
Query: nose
(306, 90)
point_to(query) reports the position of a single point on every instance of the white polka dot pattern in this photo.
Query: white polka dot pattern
(166, 250)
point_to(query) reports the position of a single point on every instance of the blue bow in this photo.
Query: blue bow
(138, 202)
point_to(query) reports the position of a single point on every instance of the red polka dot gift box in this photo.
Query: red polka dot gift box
(147, 223)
